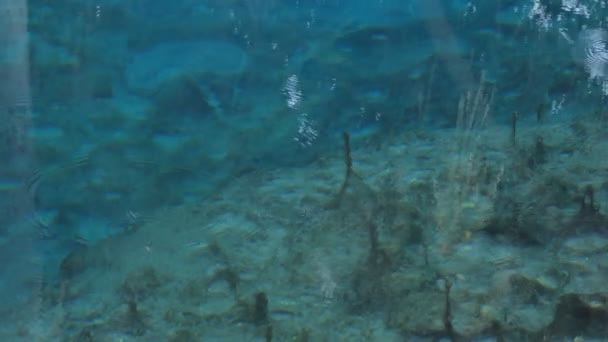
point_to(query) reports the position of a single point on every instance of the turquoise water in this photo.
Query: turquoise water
(291, 170)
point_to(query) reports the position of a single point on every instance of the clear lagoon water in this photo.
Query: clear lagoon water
(304, 170)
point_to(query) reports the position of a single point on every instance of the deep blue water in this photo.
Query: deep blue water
(112, 110)
(273, 83)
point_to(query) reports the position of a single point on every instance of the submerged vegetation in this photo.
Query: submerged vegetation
(178, 176)
(495, 244)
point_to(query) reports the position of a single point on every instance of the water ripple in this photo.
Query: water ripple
(592, 46)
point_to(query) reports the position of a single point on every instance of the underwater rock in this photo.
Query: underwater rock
(164, 62)
(142, 283)
(183, 335)
(377, 51)
(586, 244)
(75, 263)
(577, 313)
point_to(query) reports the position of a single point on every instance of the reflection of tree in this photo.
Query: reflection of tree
(22, 269)
(14, 102)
